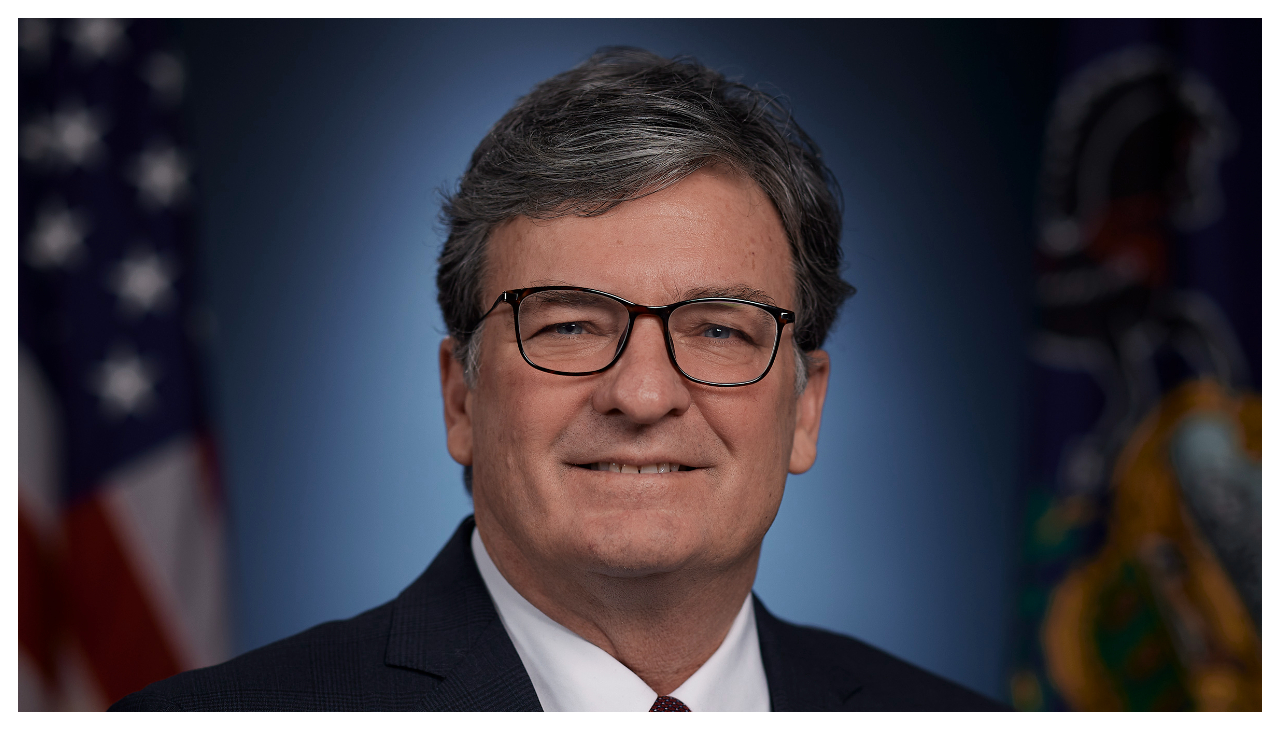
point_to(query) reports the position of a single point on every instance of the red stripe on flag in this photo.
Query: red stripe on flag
(109, 613)
(39, 602)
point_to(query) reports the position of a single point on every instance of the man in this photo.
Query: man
(643, 261)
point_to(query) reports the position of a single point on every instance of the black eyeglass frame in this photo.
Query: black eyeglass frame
(782, 317)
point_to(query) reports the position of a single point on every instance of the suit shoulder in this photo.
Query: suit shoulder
(333, 666)
(883, 681)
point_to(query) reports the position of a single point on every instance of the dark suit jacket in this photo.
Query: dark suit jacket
(441, 646)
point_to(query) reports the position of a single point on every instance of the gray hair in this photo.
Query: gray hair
(624, 124)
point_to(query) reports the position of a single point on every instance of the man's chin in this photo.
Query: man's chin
(639, 543)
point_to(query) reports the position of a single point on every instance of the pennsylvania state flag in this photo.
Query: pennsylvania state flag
(1142, 554)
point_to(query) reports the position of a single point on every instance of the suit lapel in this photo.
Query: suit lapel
(445, 624)
(798, 683)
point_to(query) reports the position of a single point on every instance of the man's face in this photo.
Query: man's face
(526, 432)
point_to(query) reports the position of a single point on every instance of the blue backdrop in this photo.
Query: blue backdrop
(321, 147)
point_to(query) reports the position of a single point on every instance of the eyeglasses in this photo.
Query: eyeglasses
(570, 330)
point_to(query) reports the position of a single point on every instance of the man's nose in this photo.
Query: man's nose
(643, 384)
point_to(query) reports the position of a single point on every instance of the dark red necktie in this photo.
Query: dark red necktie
(667, 703)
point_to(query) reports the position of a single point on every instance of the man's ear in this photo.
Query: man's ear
(804, 447)
(457, 404)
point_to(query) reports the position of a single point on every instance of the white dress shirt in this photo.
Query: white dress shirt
(570, 673)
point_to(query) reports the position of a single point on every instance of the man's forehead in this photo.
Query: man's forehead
(711, 234)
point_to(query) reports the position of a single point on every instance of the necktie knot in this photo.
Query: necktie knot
(667, 703)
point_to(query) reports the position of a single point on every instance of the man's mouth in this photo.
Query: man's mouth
(617, 468)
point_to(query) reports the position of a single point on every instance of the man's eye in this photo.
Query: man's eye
(717, 333)
(569, 328)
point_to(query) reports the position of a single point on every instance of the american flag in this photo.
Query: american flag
(120, 522)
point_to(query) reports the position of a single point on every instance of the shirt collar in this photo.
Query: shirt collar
(570, 673)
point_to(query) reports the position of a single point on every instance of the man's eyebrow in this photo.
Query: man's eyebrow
(733, 291)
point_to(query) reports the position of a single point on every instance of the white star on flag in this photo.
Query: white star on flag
(72, 137)
(125, 383)
(77, 135)
(57, 238)
(97, 38)
(143, 281)
(161, 176)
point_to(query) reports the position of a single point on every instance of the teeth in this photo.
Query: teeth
(615, 467)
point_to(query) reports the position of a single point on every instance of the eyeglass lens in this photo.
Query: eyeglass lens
(579, 332)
